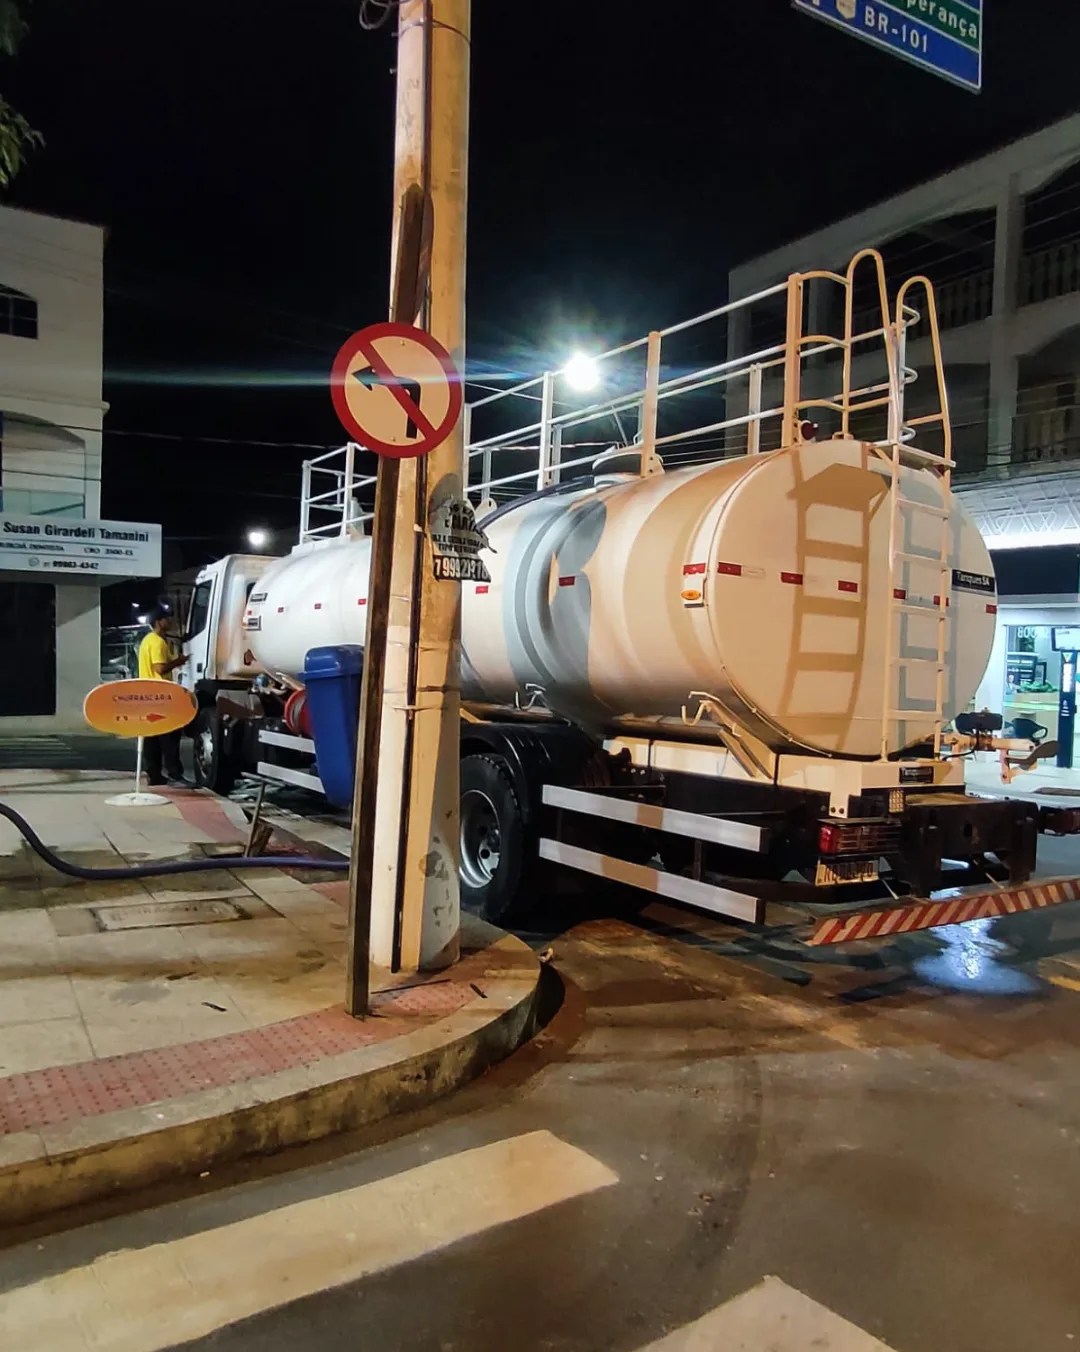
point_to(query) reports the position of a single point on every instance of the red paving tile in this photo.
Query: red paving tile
(335, 891)
(205, 813)
(57, 1094)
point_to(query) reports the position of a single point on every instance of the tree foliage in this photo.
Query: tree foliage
(17, 137)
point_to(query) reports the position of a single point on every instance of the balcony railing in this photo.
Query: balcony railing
(1050, 273)
(1043, 439)
(1044, 275)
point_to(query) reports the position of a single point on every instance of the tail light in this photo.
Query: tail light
(866, 838)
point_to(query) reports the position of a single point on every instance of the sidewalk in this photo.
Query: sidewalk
(153, 1028)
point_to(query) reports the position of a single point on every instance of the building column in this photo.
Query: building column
(1004, 363)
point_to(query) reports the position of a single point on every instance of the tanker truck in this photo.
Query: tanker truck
(724, 682)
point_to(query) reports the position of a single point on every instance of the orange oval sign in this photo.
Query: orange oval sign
(139, 708)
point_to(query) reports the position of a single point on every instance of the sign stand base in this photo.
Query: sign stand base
(138, 798)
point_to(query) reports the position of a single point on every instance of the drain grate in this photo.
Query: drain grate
(152, 914)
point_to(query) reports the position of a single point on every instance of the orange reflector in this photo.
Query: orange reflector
(691, 596)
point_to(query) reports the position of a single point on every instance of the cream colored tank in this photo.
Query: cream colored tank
(760, 581)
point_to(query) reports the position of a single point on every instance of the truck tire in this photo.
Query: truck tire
(497, 855)
(214, 769)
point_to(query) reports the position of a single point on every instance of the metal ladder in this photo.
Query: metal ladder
(850, 607)
(885, 398)
(898, 455)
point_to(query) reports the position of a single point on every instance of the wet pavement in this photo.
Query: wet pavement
(892, 1134)
(890, 1131)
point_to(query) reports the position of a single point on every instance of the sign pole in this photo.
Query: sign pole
(404, 304)
(404, 877)
(427, 909)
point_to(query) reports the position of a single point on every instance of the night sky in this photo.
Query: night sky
(239, 153)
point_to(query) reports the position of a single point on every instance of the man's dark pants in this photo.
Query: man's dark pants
(161, 758)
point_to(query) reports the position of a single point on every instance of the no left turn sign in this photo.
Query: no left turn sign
(396, 390)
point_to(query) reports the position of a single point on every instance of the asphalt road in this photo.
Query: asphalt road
(894, 1135)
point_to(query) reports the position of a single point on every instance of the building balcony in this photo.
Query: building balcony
(1045, 275)
(1041, 442)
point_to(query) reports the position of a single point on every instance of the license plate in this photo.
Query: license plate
(846, 871)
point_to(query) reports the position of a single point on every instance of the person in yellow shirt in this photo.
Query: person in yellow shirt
(161, 755)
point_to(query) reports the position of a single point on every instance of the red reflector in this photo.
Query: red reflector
(937, 601)
(796, 579)
(318, 605)
(281, 610)
(689, 569)
(847, 586)
(991, 610)
(859, 837)
(567, 581)
(899, 594)
(361, 600)
(482, 589)
(734, 569)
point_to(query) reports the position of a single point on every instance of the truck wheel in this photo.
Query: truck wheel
(494, 843)
(213, 768)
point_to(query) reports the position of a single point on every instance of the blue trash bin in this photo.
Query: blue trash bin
(332, 678)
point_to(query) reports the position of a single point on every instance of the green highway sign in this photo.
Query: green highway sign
(942, 36)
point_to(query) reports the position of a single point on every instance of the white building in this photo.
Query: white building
(1000, 239)
(55, 552)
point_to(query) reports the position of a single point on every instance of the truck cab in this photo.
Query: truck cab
(221, 666)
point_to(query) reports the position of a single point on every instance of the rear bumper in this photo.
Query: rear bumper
(959, 826)
(954, 909)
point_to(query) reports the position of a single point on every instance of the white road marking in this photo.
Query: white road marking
(773, 1317)
(144, 1300)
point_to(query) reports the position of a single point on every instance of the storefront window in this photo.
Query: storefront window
(1032, 682)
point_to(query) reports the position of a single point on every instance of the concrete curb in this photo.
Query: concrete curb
(99, 1157)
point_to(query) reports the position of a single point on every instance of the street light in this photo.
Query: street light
(582, 372)
(258, 537)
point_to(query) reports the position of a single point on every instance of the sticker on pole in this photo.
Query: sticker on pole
(456, 542)
(396, 390)
(139, 708)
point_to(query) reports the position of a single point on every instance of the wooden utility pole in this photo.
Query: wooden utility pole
(404, 897)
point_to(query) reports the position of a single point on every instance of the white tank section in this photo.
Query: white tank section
(314, 598)
(762, 581)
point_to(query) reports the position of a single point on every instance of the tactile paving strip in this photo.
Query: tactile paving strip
(45, 1098)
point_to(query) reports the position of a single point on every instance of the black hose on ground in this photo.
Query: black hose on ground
(162, 867)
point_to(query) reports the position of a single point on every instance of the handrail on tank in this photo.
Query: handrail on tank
(334, 512)
(887, 331)
(647, 396)
(941, 417)
(699, 412)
